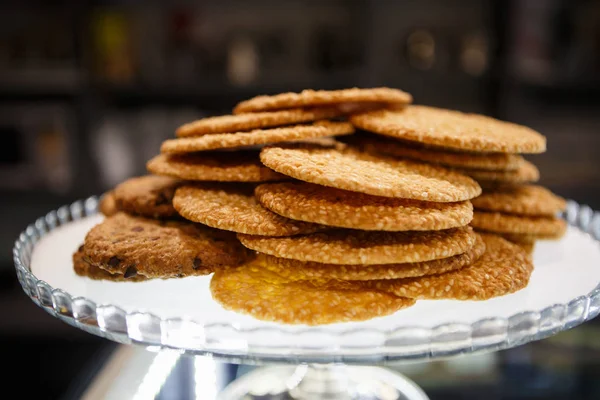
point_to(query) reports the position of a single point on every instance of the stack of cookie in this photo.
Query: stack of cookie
(299, 227)
(383, 227)
(222, 195)
(486, 149)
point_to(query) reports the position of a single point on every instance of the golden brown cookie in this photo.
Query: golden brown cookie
(302, 270)
(527, 247)
(219, 141)
(352, 247)
(436, 155)
(149, 196)
(531, 200)
(519, 238)
(349, 100)
(125, 244)
(225, 166)
(248, 122)
(233, 207)
(504, 268)
(253, 290)
(84, 268)
(452, 129)
(527, 172)
(516, 238)
(526, 242)
(107, 205)
(349, 169)
(519, 224)
(341, 208)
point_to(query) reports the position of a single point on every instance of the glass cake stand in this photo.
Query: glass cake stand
(324, 361)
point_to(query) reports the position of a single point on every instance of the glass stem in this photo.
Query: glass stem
(319, 381)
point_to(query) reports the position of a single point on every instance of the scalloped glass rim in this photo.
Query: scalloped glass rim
(227, 341)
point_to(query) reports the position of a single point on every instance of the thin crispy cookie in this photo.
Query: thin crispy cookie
(380, 97)
(519, 238)
(366, 173)
(354, 247)
(150, 196)
(437, 155)
(255, 137)
(526, 242)
(527, 172)
(504, 268)
(253, 290)
(531, 200)
(520, 224)
(234, 208)
(527, 247)
(239, 166)
(108, 205)
(248, 122)
(300, 270)
(84, 268)
(341, 208)
(160, 249)
(452, 129)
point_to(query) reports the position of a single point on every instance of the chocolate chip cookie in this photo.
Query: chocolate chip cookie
(126, 244)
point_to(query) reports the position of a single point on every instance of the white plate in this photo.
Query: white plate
(180, 313)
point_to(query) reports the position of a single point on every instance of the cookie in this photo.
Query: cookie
(516, 238)
(526, 242)
(301, 270)
(519, 238)
(239, 166)
(84, 268)
(531, 200)
(452, 129)
(519, 224)
(255, 137)
(350, 100)
(248, 122)
(124, 244)
(150, 196)
(253, 290)
(527, 172)
(355, 171)
(339, 246)
(234, 208)
(527, 247)
(504, 268)
(107, 204)
(436, 155)
(341, 208)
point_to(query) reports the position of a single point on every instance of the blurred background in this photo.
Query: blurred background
(89, 89)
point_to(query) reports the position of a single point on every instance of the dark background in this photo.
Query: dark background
(89, 89)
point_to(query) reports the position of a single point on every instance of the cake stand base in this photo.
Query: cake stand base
(316, 381)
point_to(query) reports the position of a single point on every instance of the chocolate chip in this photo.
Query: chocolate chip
(161, 199)
(114, 261)
(197, 262)
(80, 249)
(130, 271)
(137, 229)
